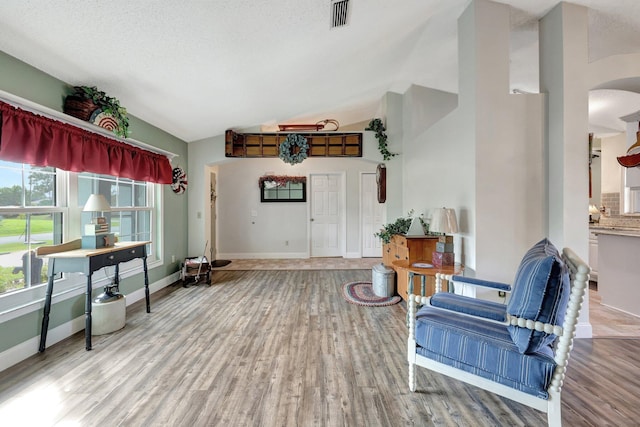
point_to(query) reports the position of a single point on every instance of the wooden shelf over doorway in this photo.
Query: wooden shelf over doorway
(321, 144)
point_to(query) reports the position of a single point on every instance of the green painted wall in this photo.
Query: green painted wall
(20, 79)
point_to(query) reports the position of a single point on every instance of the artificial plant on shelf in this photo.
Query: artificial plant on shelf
(106, 104)
(377, 126)
(400, 226)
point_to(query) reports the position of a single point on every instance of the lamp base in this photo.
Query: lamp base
(106, 240)
(99, 220)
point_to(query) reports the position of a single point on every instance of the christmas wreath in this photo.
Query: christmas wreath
(294, 149)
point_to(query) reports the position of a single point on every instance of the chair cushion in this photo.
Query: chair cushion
(540, 293)
(482, 348)
(472, 306)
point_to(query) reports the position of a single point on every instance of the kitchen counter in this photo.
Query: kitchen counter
(617, 231)
(619, 267)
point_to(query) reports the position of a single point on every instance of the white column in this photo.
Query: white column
(563, 76)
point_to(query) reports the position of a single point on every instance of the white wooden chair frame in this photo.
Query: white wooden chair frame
(579, 273)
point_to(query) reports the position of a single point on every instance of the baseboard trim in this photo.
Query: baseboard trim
(277, 255)
(263, 255)
(584, 330)
(357, 255)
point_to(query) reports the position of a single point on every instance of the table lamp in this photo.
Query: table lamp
(97, 203)
(96, 234)
(443, 221)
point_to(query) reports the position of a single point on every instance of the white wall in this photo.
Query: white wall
(202, 153)
(239, 235)
(563, 65)
(611, 171)
(480, 153)
(438, 165)
(563, 59)
(393, 117)
(509, 158)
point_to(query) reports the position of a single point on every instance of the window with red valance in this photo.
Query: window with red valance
(41, 141)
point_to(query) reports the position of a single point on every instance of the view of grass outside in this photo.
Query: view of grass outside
(29, 189)
(17, 246)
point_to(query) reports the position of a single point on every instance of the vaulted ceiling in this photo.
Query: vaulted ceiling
(196, 68)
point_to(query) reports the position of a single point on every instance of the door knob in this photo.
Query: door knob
(311, 219)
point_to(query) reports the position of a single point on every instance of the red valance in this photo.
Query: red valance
(37, 140)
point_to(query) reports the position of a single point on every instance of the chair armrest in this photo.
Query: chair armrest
(548, 328)
(469, 306)
(482, 283)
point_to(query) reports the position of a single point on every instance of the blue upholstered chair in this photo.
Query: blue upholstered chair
(519, 350)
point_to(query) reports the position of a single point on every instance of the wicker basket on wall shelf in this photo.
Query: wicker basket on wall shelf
(80, 108)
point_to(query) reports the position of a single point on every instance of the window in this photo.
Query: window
(28, 219)
(131, 204)
(283, 189)
(42, 206)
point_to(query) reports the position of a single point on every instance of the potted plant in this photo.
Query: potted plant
(400, 226)
(93, 105)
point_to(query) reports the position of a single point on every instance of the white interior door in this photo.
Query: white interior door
(327, 234)
(373, 216)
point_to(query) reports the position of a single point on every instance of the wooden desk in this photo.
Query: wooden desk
(70, 258)
(410, 268)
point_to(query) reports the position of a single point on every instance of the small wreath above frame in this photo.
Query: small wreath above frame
(293, 149)
(273, 181)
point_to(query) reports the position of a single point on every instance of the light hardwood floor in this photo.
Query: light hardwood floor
(316, 263)
(609, 322)
(283, 348)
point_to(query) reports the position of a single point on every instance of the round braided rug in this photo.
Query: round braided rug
(361, 293)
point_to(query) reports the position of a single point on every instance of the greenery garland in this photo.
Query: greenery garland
(288, 152)
(400, 226)
(377, 126)
(280, 180)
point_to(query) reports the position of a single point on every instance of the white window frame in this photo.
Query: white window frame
(20, 302)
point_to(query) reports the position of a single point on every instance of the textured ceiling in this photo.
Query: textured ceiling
(196, 68)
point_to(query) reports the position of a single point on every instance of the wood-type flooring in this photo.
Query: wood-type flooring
(283, 348)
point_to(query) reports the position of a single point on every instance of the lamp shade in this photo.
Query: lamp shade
(415, 229)
(96, 203)
(593, 210)
(443, 220)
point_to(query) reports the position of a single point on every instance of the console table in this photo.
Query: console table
(71, 258)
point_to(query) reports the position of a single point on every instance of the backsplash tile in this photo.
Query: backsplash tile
(611, 201)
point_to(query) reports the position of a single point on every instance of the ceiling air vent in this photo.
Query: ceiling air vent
(339, 13)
